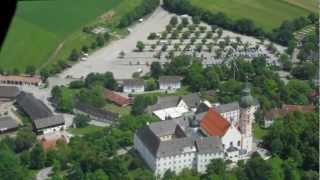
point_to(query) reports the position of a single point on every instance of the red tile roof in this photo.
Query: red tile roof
(116, 98)
(286, 109)
(214, 124)
(51, 143)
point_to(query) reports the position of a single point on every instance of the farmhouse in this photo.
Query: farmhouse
(170, 83)
(7, 124)
(21, 80)
(275, 113)
(43, 120)
(49, 124)
(8, 93)
(133, 86)
(171, 107)
(33, 107)
(116, 98)
(96, 114)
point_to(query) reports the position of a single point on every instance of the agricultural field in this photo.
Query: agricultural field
(48, 30)
(266, 14)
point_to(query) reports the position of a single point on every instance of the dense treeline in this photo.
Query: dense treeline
(145, 8)
(282, 35)
(295, 138)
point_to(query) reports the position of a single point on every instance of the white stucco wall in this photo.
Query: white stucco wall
(175, 163)
(232, 116)
(170, 86)
(204, 159)
(133, 89)
(53, 129)
(231, 136)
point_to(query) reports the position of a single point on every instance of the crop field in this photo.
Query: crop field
(267, 14)
(38, 29)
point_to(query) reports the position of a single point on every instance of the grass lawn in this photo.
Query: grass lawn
(259, 132)
(86, 130)
(267, 14)
(123, 111)
(39, 27)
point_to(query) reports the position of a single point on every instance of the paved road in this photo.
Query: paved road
(44, 173)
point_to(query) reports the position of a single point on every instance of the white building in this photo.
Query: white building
(133, 86)
(197, 137)
(230, 111)
(170, 83)
(164, 146)
(171, 107)
(213, 124)
(49, 124)
(44, 121)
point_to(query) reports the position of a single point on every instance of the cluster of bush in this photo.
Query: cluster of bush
(282, 35)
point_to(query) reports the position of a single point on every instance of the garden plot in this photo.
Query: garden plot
(211, 44)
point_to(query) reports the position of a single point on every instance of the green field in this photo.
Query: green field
(38, 29)
(267, 14)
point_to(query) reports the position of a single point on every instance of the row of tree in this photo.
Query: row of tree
(146, 7)
(282, 35)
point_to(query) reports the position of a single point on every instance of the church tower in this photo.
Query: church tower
(248, 106)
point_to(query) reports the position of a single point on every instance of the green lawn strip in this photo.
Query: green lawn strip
(85, 131)
(123, 111)
(258, 131)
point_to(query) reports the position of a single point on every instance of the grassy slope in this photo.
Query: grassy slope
(267, 14)
(39, 27)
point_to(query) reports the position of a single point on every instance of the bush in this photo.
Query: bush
(81, 120)
(152, 36)
(74, 56)
(77, 84)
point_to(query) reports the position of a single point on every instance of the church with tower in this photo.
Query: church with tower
(194, 139)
